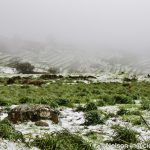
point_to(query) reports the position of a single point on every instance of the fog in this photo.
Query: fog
(94, 27)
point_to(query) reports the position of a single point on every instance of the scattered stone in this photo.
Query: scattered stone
(41, 123)
(35, 112)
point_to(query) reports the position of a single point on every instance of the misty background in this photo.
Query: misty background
(77, 33)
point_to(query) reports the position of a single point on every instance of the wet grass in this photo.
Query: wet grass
(7, 131)
(124, 135)
(63, 140)
(67, 94)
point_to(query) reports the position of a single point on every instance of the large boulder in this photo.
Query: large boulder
(35, 112)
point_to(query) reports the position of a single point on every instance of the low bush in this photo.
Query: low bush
(24, 67)
(53, 70)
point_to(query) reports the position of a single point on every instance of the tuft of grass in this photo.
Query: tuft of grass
(122, 99)
(80, 108)
(108, 99)
(4, 101)
(124, 135)
(92, 135)
(8, 132)
(125, 111)
(93, 118)
(64, 102)
(63, 140)
(101, 103)
(145, 104)
(134, 119)
(90, 106)
(25, 100)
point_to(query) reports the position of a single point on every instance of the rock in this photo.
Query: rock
(41, 123)
(35, 112)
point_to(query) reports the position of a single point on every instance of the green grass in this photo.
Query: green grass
(63, 140)
(145, 104)
(94, 118)
(124, 135)
(104, 93)
(134, 119)
(62, 93)
(8, 132)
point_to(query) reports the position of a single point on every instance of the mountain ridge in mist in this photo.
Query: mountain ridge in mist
(68, 57)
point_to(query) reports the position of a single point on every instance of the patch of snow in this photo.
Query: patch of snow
(69, 120)
(3, 116)
(9, 145)
(109, 109)
(7, 70)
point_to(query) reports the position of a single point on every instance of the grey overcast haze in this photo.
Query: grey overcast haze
(96, 27)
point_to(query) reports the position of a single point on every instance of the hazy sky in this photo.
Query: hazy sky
(92, 24)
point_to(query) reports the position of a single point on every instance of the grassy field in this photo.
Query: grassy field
(84, 95)
(68, 92)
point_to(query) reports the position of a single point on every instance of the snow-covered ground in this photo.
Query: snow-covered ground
(72, 121)
(7, 70)
(9, 145)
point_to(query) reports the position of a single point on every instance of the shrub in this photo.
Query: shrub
(124, 135)
(8, 132)
(24, 67)
(53, 70)
(63, 140)
(93, 118)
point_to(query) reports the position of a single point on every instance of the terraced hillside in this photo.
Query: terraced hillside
(69, 58)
